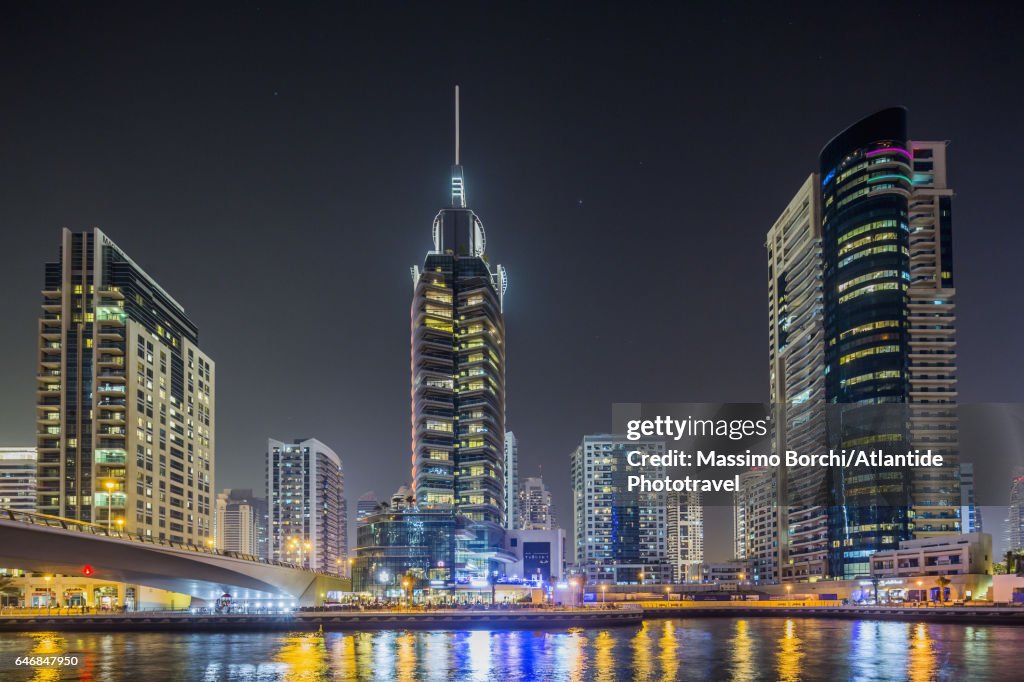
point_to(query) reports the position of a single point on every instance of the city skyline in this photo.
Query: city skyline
(572, 212)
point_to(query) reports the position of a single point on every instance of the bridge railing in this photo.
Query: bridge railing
(48, 521)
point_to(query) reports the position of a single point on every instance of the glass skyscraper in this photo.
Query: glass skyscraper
(458, 373)
(862, 332)
(452, 531)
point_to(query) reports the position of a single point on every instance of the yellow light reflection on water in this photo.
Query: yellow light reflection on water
(343, 656)
(405, 664)
(642, 658)
(669, 654)
(790, 652)
(921, 663)
(364, 650)
(742, 647)
(604, 661)
(47, 644)
(305, 656)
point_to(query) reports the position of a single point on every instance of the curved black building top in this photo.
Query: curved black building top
(887, 124)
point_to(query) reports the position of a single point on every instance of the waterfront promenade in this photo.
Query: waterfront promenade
(981, 613)
(369, 620)
(558, 618)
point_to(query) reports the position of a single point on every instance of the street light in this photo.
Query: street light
(120, 525)
(640, 577)
(667, 591)
(604, 594)
(109, 485)
(49, 593)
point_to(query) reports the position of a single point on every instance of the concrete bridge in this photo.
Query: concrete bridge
(48, 544)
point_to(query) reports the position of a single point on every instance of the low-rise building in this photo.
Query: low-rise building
(540, 555)
(969, 553)
(726, 574)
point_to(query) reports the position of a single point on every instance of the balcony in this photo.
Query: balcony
(111, 375)
(111, 293)
(112, 457)
(118, 500)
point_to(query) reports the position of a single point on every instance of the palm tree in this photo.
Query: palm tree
(7, 589)
(942, 581)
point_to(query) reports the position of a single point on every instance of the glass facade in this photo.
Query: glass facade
(866, 181)
(415, 545)
(458, 378)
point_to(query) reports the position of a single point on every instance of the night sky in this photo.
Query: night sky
(277, 170)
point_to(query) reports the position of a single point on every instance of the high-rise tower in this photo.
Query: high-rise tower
(125, 406)
(458, 367)
(863, 349)
(797, 379)
(307, 519)
(512, 511)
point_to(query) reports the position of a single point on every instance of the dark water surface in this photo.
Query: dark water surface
(670, 649)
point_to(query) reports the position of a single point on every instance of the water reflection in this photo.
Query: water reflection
(642, 653)
(683, 649)
(669, 655)
(921, 662)
(604, 659)
(47, 644)
(742, 652)
(789, 652)
(304, 657)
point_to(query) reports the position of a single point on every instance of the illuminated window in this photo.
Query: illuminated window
(878, 274)
(850, 357)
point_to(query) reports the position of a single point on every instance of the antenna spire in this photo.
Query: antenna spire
(458, 189)
(457, 125)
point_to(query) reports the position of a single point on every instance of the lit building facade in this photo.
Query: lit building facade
(889, 335)
(1015, 519)
(306, 505)
(758, 524)
(539, 554)
(796, 352)
(534, 505)
(450, 529)
(862, 348)
(961, 554)
(18, 479)
(458, 374)
(970, 513)
(931, 361)
(242, 522)
(366, 506)
(684, 521)
(418, 545)
(620, 535)
(125, 403)
(866, 183)
(512, 510)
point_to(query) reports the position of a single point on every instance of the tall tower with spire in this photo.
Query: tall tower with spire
(458, 368)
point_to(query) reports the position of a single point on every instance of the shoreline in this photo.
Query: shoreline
(547, 619)
(329, 621)
(964, 615)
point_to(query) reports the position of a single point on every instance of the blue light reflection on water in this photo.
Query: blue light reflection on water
(671, 649)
